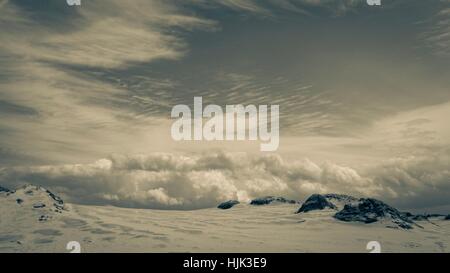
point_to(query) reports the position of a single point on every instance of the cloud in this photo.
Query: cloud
(194, 180)
(437, 35)
(98, 35)
(54, 94)
(188, 181)
(77, 84)
(269, 8)
(416, 181)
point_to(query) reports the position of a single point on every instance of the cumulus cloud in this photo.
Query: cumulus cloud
(416, 181)
(193, 181)
(71, 89)
(188, 181)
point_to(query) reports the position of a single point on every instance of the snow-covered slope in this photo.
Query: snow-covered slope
(242, 228)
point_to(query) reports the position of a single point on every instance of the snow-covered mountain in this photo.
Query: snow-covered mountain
(30, 201)
(365, 210)
(33, 219)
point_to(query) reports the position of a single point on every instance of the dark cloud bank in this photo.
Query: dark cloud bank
(192, 181)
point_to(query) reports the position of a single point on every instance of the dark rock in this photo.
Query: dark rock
(316, 202)
(228, 204)
(269, 199)
(435, 215)
(19, 201)
(38, 205)
(407, 214)
(447, 217)
(368, 210)
(44, 218)
(56, 198)
(32, 190)
(425, 217)
(59, 207)
(420, 217)
(404, 225)
(2, 189)
(340, 197)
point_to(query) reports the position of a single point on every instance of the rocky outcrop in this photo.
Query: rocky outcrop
(369, 210)
(34, 201)
(447, 217)
(58, 202)
(407, 214)
(365, 210)
(425, 217)
(2, 189)
(316, 202)
(419, 217)
(340, 200)
(228, 204)
(38, 205)
(36, 197)
(270, 199)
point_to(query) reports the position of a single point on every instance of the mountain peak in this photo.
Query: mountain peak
(316, 202)
(369, 210)
(32, 199)
(351, 209)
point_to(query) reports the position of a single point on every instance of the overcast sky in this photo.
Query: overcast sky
(363, 93)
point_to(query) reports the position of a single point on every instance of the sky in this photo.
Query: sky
(86, 94)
